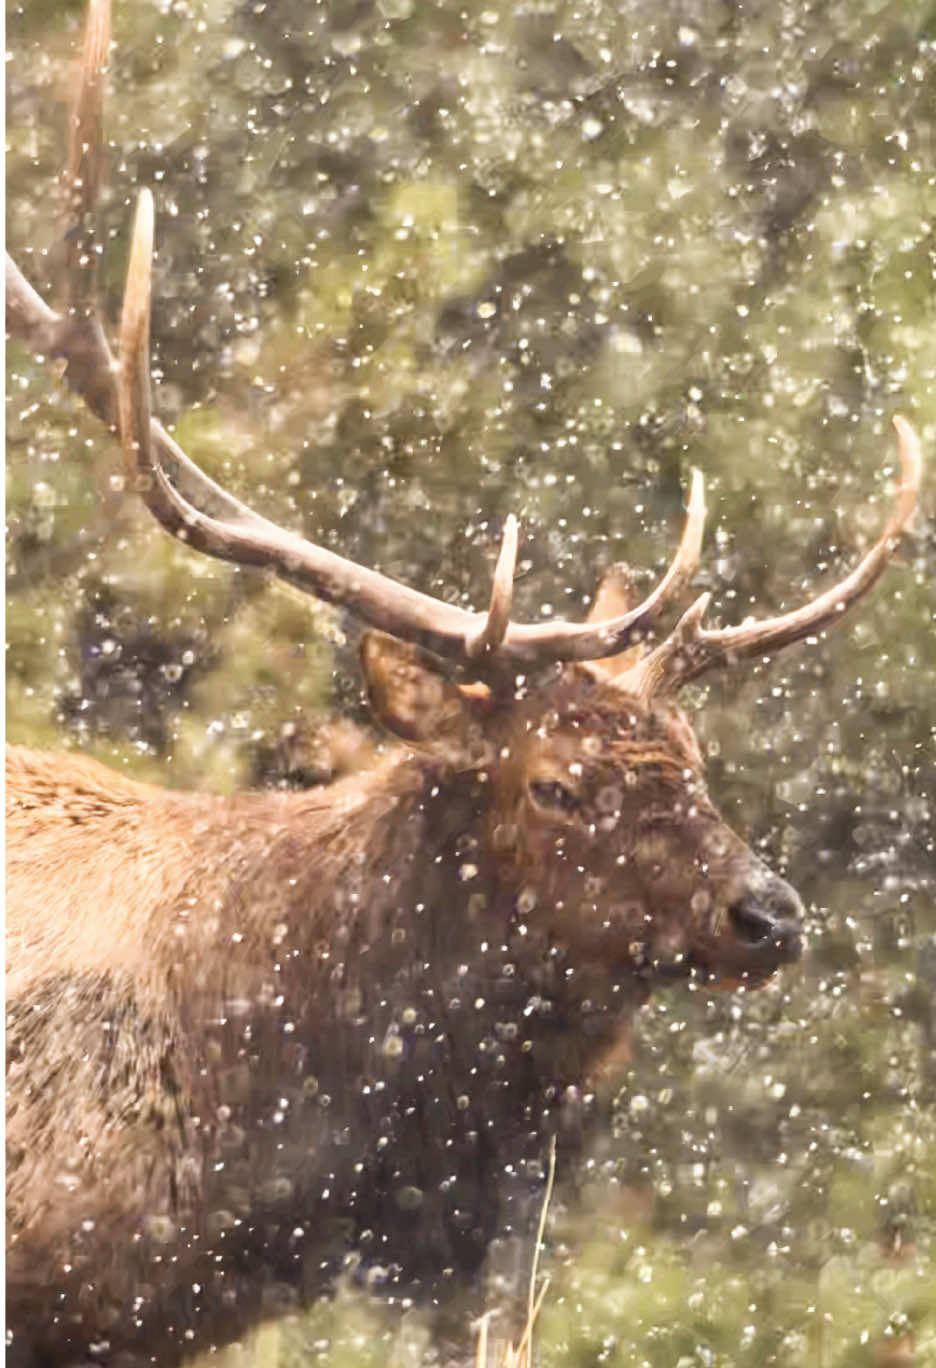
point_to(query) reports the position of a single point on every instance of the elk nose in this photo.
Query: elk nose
(769, 916)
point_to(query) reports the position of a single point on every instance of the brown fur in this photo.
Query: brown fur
(252, 1037)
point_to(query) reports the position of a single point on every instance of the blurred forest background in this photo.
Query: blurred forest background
(423, 264)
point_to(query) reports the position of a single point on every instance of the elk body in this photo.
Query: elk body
(251, 1036)
(254, 1038)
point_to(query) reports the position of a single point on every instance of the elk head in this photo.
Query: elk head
(598, 819)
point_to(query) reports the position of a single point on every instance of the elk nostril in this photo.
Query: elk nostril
(769, 916)
(756, 927)
(749, 923)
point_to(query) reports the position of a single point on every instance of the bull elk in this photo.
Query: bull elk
(253, 1037)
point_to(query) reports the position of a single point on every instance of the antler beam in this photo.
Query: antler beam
(375, 598)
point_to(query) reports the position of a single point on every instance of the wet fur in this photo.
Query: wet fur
(253, 1038)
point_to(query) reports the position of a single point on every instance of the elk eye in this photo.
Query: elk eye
(549, 793)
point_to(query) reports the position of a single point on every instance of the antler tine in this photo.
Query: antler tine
(488, 638)
(686, 561)
(86, 160)
(691, 649)
(134, 399)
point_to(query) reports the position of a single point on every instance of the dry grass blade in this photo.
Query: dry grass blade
(521, 1356)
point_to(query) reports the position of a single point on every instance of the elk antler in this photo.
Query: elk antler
(248, 539)
(191, 506)
(195, 509)
(691, 648)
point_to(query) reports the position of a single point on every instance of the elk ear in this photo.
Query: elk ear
(614, 597)
(412, 697)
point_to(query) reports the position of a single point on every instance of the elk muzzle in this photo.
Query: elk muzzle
(761, 931)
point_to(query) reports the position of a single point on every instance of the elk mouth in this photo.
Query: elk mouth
(762, 931)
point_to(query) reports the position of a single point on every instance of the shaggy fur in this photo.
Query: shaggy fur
(253, 1038)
